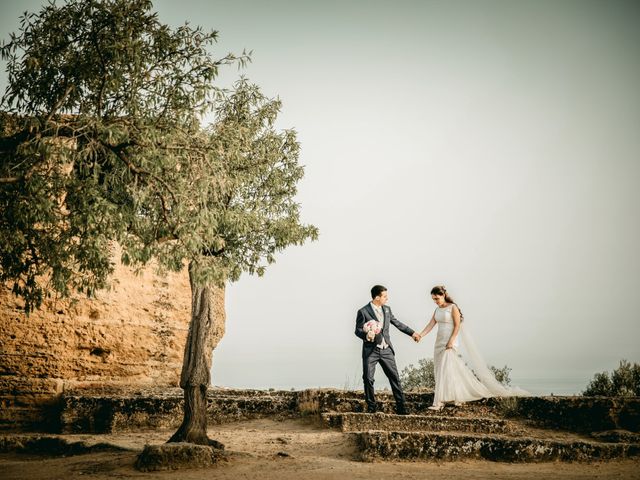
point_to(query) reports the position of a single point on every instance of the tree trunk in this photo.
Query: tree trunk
(194, 424)
(205, 331)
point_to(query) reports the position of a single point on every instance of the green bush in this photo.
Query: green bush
(423, 375)
(624, 381)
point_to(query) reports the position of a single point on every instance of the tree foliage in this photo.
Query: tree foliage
(423, 375)
(624, 381)
(102, 140)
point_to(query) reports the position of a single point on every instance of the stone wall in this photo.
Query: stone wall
(130, 335)
(581, 414)
(162, 408)
(140, 409)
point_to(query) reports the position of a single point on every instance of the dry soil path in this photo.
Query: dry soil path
(288, 450)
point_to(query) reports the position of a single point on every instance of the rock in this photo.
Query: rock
(174, 456)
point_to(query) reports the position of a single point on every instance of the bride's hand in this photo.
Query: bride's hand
(449, 346)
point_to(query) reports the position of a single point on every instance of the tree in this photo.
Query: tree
(624, 381)
(102, 141)
(423, 375)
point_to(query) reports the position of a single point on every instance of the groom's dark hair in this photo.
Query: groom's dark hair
(377, 290)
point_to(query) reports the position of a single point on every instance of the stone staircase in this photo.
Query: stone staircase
(477, 430)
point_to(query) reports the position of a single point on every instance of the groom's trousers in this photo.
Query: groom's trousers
(387, 361)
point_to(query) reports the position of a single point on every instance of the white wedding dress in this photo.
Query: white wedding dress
(455, 382)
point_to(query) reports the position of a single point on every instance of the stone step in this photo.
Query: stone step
(362, 422)
(358, 405)
(325, 401)
(502, 448)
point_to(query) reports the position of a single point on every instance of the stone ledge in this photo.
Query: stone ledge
(450, 446)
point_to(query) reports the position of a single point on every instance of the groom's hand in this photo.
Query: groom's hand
(416, 336)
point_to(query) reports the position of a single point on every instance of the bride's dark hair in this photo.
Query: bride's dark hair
(441, 290)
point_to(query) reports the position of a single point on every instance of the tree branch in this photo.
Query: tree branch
(59, 103)
(119, 151)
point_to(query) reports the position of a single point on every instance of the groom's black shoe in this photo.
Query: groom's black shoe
(372, 409)
(402, 411)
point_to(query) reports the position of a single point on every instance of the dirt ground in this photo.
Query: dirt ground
(287, 450)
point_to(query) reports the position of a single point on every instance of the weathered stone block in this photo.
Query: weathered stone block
(174, 456)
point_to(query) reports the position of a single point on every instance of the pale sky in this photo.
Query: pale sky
(491, 146)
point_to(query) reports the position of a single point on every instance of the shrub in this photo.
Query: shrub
(502, 374)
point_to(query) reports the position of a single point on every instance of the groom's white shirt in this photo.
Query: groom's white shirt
(380, 315)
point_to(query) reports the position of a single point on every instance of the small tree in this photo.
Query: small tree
(624, 381)
(420, 376)
(101, 142)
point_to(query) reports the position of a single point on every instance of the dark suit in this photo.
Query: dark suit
(372, 355)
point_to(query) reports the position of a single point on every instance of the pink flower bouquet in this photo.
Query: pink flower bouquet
(372, 328)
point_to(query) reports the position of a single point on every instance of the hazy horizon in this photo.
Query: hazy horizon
(490, 146)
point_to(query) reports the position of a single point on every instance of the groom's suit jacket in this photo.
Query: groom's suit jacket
(365, 314)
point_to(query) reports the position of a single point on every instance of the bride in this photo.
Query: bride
(455, 382)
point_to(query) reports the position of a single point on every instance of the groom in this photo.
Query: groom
(377, 348)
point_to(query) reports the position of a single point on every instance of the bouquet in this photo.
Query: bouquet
(372, 328)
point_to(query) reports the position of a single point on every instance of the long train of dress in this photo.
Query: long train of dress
(455, 381)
